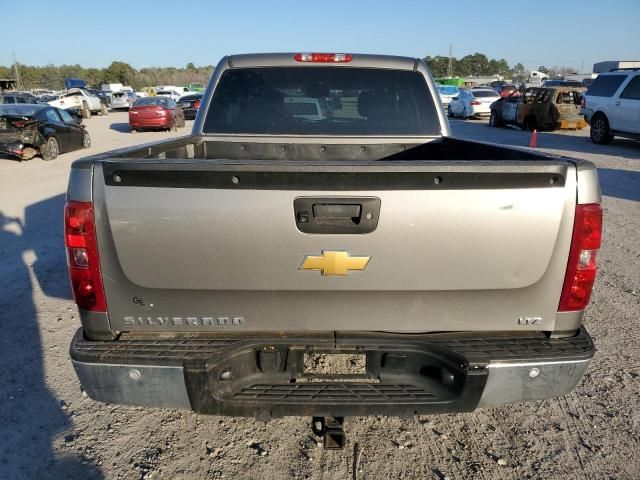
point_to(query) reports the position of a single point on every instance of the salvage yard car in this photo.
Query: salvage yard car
(121, 101)
(505, 90)
(80, 100)
(17, 97)
(105, 97)
(540, 108)
(190, 105)
(447, 93)
(612, 106)
(472, 103)
(155, 113)
(28, 130)
(175, 95)
(214, 272)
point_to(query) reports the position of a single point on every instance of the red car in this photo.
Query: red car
(506, 90)
(158, 113)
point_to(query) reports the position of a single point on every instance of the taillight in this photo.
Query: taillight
(196, 104)
(475, 102)
(323, 57)
(19, 124)
(82, 256)
(582, 265)
(161, 112)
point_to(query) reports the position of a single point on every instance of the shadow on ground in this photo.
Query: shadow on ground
(621, 147)
(31, 416)
(120, 127)
(556, 140)
(4, 156)
(623, 184)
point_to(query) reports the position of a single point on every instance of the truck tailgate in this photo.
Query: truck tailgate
(208, 245)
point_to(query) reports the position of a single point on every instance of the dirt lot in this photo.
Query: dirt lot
(49, 430)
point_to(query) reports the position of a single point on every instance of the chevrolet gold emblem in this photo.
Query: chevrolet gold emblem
(334, 263)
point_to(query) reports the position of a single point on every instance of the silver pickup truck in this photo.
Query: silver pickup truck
(320, 245)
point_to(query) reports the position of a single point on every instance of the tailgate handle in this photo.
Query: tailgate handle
(337, 210)
(336, 215)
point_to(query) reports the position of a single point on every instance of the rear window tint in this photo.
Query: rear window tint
(352, 101)
(150, 101)
(605, 85)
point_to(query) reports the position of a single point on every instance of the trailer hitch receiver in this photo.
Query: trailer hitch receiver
(331, 429)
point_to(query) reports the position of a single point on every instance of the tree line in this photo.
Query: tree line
(477, 64)
(52, 77)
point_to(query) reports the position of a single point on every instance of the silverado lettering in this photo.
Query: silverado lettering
(183, 321)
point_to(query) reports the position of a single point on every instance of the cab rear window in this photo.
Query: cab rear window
(322, 101)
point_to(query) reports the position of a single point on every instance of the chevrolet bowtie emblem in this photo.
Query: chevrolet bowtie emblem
(334, 263)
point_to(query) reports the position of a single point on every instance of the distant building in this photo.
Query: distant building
(609, 65)
(8, 84)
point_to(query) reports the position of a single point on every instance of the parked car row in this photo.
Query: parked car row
(611, 105)
(77, 99)
(17, 97)
(542, 108)
(539, 108)
(473, 102)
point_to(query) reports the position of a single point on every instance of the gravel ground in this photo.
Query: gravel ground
(50, 430)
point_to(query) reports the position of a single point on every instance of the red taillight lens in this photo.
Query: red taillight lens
(196, 104)
(82, 256)
(161, 112)
(582, 265)
(475, 102)
(19, 124)
(323, 57)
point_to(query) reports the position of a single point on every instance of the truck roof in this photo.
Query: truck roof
(287, 60)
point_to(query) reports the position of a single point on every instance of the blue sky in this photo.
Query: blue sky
(173, 33)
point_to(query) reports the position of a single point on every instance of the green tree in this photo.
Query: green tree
(518, 73)
(438, 65)
(120, 72)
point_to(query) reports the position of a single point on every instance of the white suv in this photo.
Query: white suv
(612, 105)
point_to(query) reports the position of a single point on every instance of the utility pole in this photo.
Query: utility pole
(16, 72)
(450, 65)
